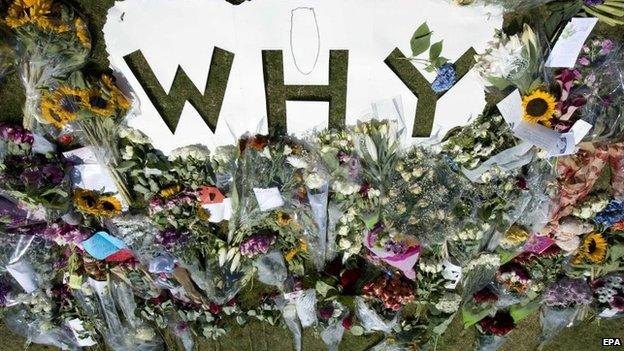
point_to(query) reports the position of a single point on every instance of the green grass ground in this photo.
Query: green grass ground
(258, 336)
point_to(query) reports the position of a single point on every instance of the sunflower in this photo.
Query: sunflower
(61, 106)
(538, 107)
(98, 104)
(115, 94)
(169, 191)
(283, 219)
(37, 12)
(86, 201)
(594, 249)
(108, 206)
(82, 32)
(303, 247)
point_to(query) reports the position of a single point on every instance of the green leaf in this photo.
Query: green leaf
(323, 288)
(436, 50)
(519, 312)
(420, 40)
(471, 316)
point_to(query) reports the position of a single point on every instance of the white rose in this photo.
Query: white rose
(315, 181)
(344, 244)
(297, 162)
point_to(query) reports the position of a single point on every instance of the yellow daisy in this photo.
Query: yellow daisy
(98, 104)
(60, 106)
(116, 95)
(283, 219)
(86, 201)
(538, 107)
(593, 249)
(82, 32)
(169, 191)
(37, 12)
(108, 206)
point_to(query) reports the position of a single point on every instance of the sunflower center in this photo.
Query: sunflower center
(108, 206)
(70, 103)
(537, 107)
(98, 102)
(591, 248)
(89, 200)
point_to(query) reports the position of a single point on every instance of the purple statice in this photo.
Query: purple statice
(593, 2)
(613, 213)
(169, 238)
(606, 46)
(445, 79)
(395, 247)
(16, 134)
(66, 233)
(257, 244)
(567, 292)
(5, 290)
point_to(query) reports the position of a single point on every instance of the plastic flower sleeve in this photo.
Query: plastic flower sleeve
(370, 320)
(605, 79)
(120, 333)
(31, 328)
(219, 283)
(289, 313)
(318, 240)
(305, 305)
(332, 335)
(490, 342)
(271, 269)
(554, 320)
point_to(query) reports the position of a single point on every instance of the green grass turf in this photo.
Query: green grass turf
(257, 336)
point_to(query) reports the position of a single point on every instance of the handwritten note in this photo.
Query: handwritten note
(568, 47)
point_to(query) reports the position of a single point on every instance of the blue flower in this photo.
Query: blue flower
(613, 213)
(445, 79)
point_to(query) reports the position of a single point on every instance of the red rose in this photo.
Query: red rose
(347, 322)
(349, 277)
(326, 312)
(214, 308)
(65, 139)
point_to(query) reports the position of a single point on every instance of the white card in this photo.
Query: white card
(511, 108)
(219, 212)
(268, 198)
(580, 130)
(84, 154)
(77, 328)
(565, 146)
(537, 134)
(24, 274)
(570, 42)
(451, 272)
(609, 312)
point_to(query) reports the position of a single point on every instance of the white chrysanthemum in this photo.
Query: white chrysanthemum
(314, 181)
(197, 152)
(134, 135)
(297, 162)
(449, 303)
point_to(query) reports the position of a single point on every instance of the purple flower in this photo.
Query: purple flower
(5, 289)
(593, 2)
(168, 238)
(618, 303)
(445, 79)
(567, 292)
(53, 173)
(32, 177)
(584, 61)
(395, 247)
(16, 134)
(257, 244)
(606, 46)
(66, 233)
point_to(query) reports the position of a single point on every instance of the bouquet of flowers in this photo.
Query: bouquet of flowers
(609, 294)
(54, 41)
(91, 109)
(36, 178)
(562, 301)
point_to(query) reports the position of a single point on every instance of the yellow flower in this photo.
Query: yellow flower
(303, 247)
(60, 106)
(202, 213)
(116, 95)
(539, 106)
(169, 191)
(283, 219)
(593, 249)
(37, 12)
(108, 206)
(82, 32)
(514, 236)
(86, 201)
(98, 104)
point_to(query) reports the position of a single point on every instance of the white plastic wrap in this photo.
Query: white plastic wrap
(370, 320)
